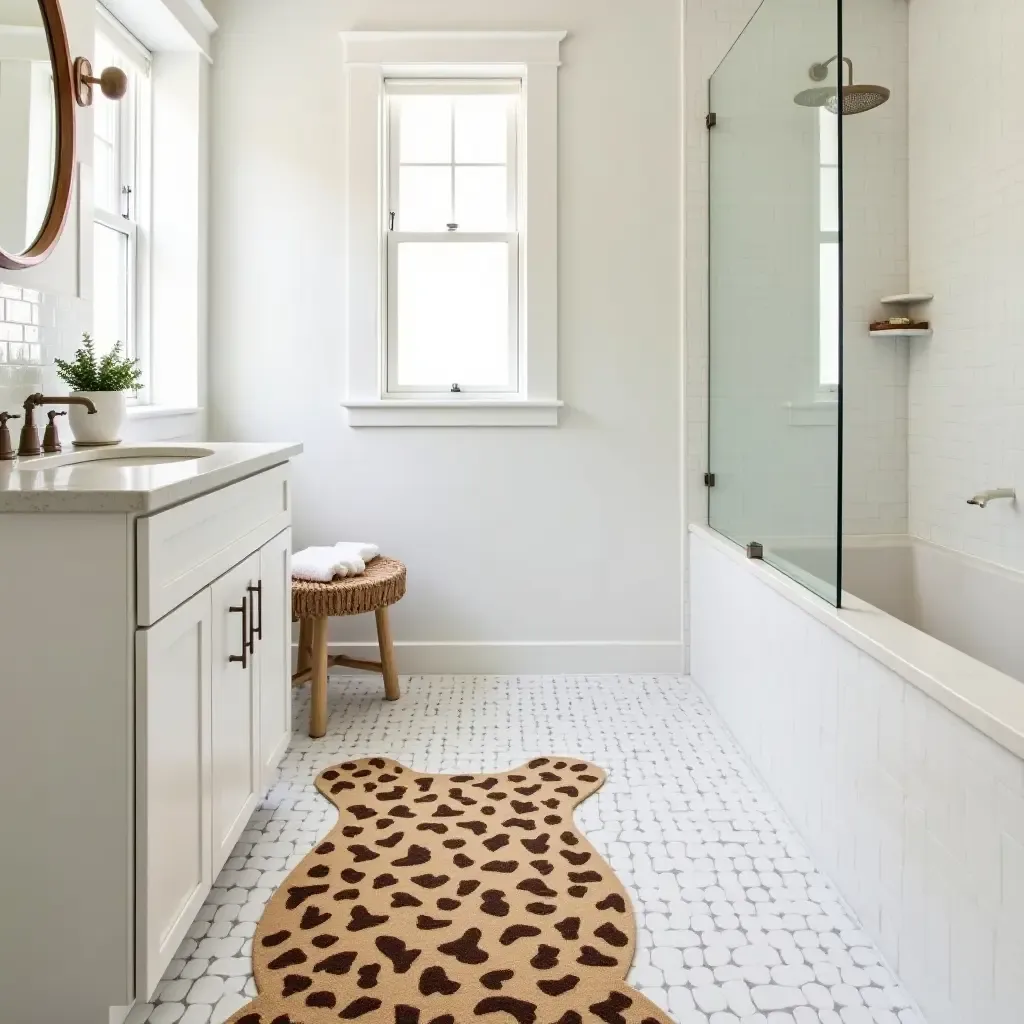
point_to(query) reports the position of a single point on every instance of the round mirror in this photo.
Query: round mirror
(36, 130)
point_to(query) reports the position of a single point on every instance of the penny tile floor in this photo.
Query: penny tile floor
(735, 925)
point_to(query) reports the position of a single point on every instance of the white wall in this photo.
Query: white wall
(967, 223)
(536, 537)
(916, 816)
(875, 264)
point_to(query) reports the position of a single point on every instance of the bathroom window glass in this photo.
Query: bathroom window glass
(828, 243)
(121, 179)
(453, 237)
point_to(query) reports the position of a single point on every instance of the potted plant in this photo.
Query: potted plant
(104, 382)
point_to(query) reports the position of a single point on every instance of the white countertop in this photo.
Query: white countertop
(84, 481)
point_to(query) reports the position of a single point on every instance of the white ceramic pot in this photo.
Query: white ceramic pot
(103, 426)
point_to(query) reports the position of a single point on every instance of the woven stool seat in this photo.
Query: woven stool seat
(382, 585)
(315, 604)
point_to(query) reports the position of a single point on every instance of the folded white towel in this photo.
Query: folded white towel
(321, 565)
(357, 552)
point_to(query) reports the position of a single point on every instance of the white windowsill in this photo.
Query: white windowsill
(823, 412)
(447, 412)
(147, 412)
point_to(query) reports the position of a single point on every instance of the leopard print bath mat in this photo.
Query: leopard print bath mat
(450, 899)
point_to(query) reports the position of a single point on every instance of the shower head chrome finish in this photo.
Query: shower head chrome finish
(856, 99)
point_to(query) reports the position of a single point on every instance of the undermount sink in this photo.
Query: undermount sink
(120, 457)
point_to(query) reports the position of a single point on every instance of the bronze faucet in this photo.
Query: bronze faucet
(29, 435)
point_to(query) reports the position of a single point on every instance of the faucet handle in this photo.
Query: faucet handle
(51, 439)
(7, 453)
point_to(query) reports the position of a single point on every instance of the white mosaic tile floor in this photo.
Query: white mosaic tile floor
(735, 925)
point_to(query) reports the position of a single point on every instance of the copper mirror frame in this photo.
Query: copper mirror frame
(63, 181)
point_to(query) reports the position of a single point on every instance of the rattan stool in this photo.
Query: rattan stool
(314, 604)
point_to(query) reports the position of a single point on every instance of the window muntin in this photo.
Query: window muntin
(453, 237)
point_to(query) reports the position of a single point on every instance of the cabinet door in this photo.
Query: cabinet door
(274, 651)
(234, 725)
(174, 872)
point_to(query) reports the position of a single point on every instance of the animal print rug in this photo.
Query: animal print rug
(450, 899)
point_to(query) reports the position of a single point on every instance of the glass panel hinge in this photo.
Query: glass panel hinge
(709, 479)
(711, 120)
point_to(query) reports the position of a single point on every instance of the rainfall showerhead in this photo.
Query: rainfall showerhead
(856, 99)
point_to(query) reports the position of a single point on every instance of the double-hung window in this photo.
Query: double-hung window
(121, 177)
(828, 252)
(451, 192)
(452, 237)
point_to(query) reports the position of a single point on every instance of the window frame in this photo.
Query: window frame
(370, 59)
(133, 150)
(395, 88)
(827, 390)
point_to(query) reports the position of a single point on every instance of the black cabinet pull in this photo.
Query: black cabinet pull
(244, 612)
(256, 629)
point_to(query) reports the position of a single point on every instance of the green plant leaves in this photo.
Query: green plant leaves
(113, 372)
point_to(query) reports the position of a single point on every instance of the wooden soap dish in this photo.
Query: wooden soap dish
(899, 326)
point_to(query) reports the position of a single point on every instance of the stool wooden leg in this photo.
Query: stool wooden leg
(305, 659)
(392, 691)
(318, 696)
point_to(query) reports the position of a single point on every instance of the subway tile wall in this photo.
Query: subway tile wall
(35, 327)
(22, 319)
(917, 817)
(967, 225)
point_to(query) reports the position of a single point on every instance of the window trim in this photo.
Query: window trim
(370, 60)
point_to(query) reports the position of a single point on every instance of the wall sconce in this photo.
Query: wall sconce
(113, 82)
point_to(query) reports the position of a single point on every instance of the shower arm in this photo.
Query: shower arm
(819, 72)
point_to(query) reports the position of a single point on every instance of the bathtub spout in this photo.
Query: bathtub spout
(982, 499)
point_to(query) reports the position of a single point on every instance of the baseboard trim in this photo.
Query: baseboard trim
(583, 657)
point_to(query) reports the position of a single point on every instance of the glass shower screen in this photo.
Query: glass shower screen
(776, 291)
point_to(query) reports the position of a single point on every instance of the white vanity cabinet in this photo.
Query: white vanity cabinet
(214, 718)
(214, 698)
(145, 704)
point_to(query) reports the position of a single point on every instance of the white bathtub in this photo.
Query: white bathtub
(892, 732)
(972, 605)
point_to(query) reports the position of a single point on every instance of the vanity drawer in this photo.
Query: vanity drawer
(182, 550)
